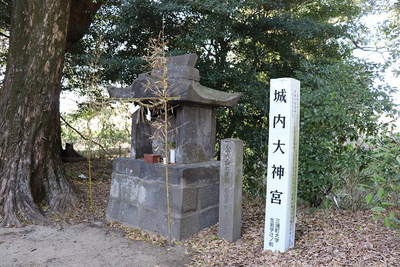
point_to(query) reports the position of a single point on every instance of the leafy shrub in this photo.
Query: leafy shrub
(338, 106)
(383, 186)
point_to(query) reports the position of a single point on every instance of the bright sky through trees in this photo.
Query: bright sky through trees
(377, 52)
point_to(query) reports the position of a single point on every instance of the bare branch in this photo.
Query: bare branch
(81, 135)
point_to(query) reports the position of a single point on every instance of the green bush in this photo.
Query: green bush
(383, 185)
(339, 103)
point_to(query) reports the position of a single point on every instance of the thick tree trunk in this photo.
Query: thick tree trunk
(31, 169)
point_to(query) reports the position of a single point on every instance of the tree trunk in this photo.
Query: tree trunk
(31, 169)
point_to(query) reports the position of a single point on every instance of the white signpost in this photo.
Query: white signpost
(280, 217)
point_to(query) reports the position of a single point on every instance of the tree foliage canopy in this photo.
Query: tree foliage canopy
(389, 32)
(241, 46)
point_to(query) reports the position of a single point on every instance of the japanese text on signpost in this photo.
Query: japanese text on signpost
(282, 164)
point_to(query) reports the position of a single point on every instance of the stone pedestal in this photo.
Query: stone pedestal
(138, 196)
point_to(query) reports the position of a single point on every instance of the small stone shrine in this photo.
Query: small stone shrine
(138, 190)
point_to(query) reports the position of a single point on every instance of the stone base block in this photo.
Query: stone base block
(138, 196)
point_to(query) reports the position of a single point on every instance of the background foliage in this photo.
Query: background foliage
(241, 46)
(340, 104)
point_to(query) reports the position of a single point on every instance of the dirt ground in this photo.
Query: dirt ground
(82, 245)
(85, 238)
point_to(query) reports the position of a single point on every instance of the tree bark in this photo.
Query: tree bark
(31, 169)
(81, 16)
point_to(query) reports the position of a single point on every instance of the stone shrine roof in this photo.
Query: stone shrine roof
(182, 82)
